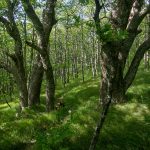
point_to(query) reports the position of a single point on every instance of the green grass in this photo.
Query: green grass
(127, 126)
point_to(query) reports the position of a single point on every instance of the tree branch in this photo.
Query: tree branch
(33, 16)
(10, 24)
(97, 11)
(35, 47)
(136, 16)
(130, 75)
(49, 17)
(7, 25)
(145, 11)
(96, 16)
(10, 6)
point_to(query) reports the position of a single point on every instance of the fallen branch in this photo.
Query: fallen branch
(7, 103)
(100, 123)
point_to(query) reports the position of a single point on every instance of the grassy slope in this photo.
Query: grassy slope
(127, 126)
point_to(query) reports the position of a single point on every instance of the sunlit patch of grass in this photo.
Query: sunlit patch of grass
(140, 90)
(134, 111)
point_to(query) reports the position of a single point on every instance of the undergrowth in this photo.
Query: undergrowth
(127, 126)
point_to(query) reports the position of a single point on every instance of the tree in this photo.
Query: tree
(117, 41)
(18, 70)
(43, 30)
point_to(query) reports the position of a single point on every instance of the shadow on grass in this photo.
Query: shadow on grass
(140, 90)
(122, 131)
(126, 129)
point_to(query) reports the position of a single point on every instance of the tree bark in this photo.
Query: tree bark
(111, 63)
(43, 30)
(17, 57)
(114, 54)
(126, 16)
(130, 75)
(35, 82)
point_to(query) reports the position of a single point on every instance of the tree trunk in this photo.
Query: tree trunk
(111, 64)
(43, 30)
(50, 84)
(23, 94)
(22, 84)
(21, 75)
(17, 57)
(35, 82)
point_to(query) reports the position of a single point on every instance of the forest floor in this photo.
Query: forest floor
(127, 126)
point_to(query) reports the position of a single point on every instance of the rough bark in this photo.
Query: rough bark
(35, 82)
(111, 63)
(43, 30)
(17, 57)
(126, 15)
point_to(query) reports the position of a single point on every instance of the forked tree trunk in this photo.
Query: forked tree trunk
(19, 69)
(43, 30)
(125, 16)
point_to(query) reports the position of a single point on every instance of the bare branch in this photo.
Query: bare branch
(97, 11)
(136, 16)
(96, 16)
(130, 75)
(145, 11)
(33, 16)
(7, 25)
(10, 24)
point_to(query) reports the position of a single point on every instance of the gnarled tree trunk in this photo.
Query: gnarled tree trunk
(126, 16)
(111, 64)
(43, 30)
(19, 70)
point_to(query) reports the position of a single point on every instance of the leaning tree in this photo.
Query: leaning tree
(17, 69)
